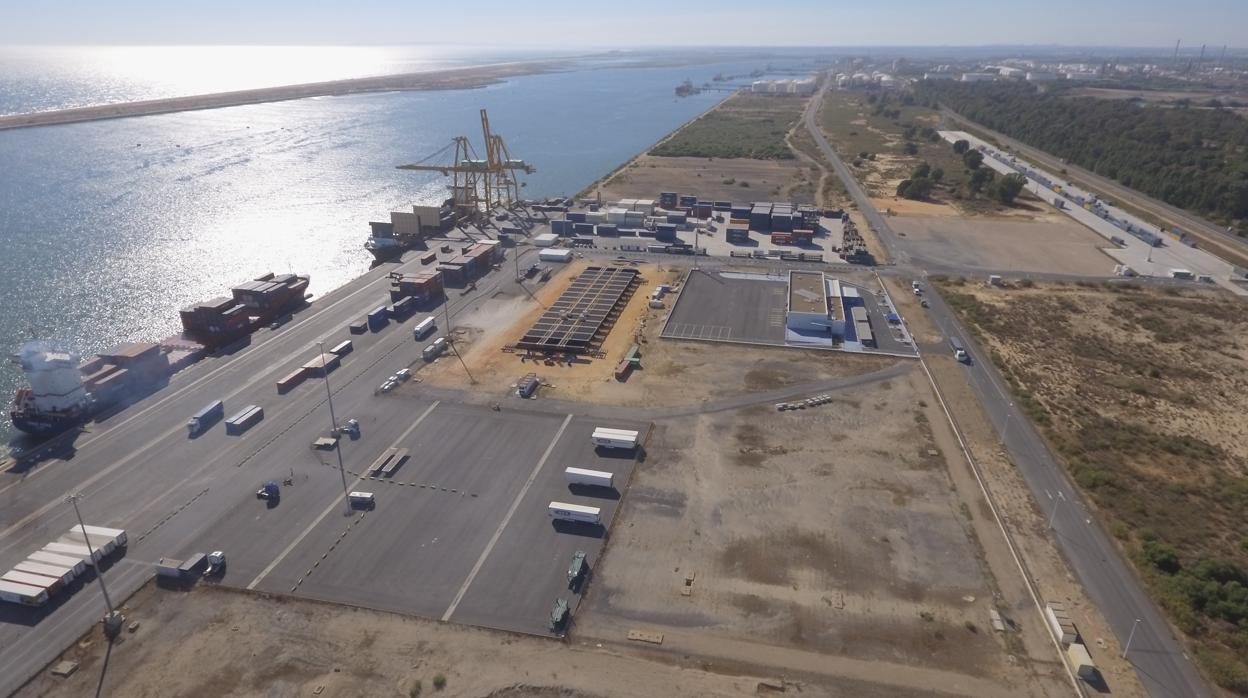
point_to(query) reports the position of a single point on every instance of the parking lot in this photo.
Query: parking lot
(750, 308)
(459, 532)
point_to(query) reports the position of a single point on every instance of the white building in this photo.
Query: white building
(1081, 75)
(814, 305)
(978, 77)
(939, 76)
(1036, 76)
(1007, 72)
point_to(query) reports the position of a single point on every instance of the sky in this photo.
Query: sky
(561, 24)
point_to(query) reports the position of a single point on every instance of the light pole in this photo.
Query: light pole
(112, 621)
(1009, 413)
(1056, 504)
(1130, 637)
(333, 421)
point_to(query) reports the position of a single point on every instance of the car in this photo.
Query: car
(353, 426)
(918, 291)
(923, 303)
(782, 406)
(388, 386)
(403, 374)
(274, 325)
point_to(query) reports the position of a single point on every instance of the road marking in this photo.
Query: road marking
(303, 534)
(498, 532)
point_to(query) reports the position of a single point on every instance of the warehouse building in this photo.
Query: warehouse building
(814, 305)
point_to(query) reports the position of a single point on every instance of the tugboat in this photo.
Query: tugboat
(56, 400)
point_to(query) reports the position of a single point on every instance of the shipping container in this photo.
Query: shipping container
(245, 419)
(73, 550)
(342, 348)
(1081, 661)
(610, 230)
(576, 216)
(583, 228)
(357, 327)
(403, 307)
(614, 438)
(364, 500)
(424, 327)
(50, 584)
(378, 318)
(107, 538)
(64, 574)
(206, 417)
(555, 255)
(562, 511)
(75, 564)
(593, 478)
(22, 594)
(435, 349)
(287, 383)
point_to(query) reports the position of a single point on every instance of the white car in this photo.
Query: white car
(388, 386)
(403, 374)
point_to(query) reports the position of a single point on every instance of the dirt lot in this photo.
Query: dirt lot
(1052, 242)
(831, 540)
(218, 642)
(1155, 437)
(672, 373)
(718, 179)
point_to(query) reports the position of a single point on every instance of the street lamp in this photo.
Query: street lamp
(112, 621)
(1130, 637)
(333, 421)
(1009, 413)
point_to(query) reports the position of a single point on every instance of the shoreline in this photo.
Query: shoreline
(448, 79)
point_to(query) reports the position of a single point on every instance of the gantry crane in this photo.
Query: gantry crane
(479, 185)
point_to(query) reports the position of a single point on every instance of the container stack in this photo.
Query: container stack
(422, 286)
(51, 570)
(760, 216)
(669, 200)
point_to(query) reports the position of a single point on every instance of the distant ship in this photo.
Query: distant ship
(65, 392)
(57, 399)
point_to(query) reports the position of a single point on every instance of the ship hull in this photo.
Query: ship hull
(44, 427)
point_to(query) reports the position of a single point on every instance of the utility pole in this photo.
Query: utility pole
(333, 421)
(1130, 637)
(1006, 430)
(112, 621)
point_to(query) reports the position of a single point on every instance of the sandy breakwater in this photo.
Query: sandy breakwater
(451, 79)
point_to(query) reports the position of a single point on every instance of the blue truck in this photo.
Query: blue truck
(206, 417)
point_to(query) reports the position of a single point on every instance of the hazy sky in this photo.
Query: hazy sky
(573, 24)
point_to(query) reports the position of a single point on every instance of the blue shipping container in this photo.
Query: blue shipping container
(583, 228)
(576, 216)
(378, 319)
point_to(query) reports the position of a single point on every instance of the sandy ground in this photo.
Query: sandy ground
(1028, 524)
(452, 79)
(219, 642)
(713, 179)
(833, 540)
(1049, 243)
(672, 372)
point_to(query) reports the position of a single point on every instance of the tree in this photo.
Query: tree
(960, 146)
(1008, 187)
(910, 148)
(903, 187)
(923, 170)
(917, 188)
(980, 178)
(937, 175)
(973, 159)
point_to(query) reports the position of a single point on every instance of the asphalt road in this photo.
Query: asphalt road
(1160, 662)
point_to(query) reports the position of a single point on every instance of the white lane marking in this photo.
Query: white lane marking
(498, 532)
(332, 505)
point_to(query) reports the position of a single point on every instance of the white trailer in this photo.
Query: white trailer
(614, 438)
(562, 511)
(584, 476)
(51, 584)
(23, 594)
(117, 534)
(423, 328)
(65, 574)
(73, 550)
(46, 558)
(104, 545)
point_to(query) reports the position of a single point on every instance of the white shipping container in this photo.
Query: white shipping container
(64, 574)
(104, 545)
(614, 438)
(545, 240)
(584, 476)
(423, 328)
(555, 255)
(118, 534)
(562, 511)
(52, 584)
(46, 558)
(23, 594)
(75, 550)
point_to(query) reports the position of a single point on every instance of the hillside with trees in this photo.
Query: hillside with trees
(1192, 158)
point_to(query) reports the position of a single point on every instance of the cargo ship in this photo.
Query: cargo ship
(405, 230)
(65, 392)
